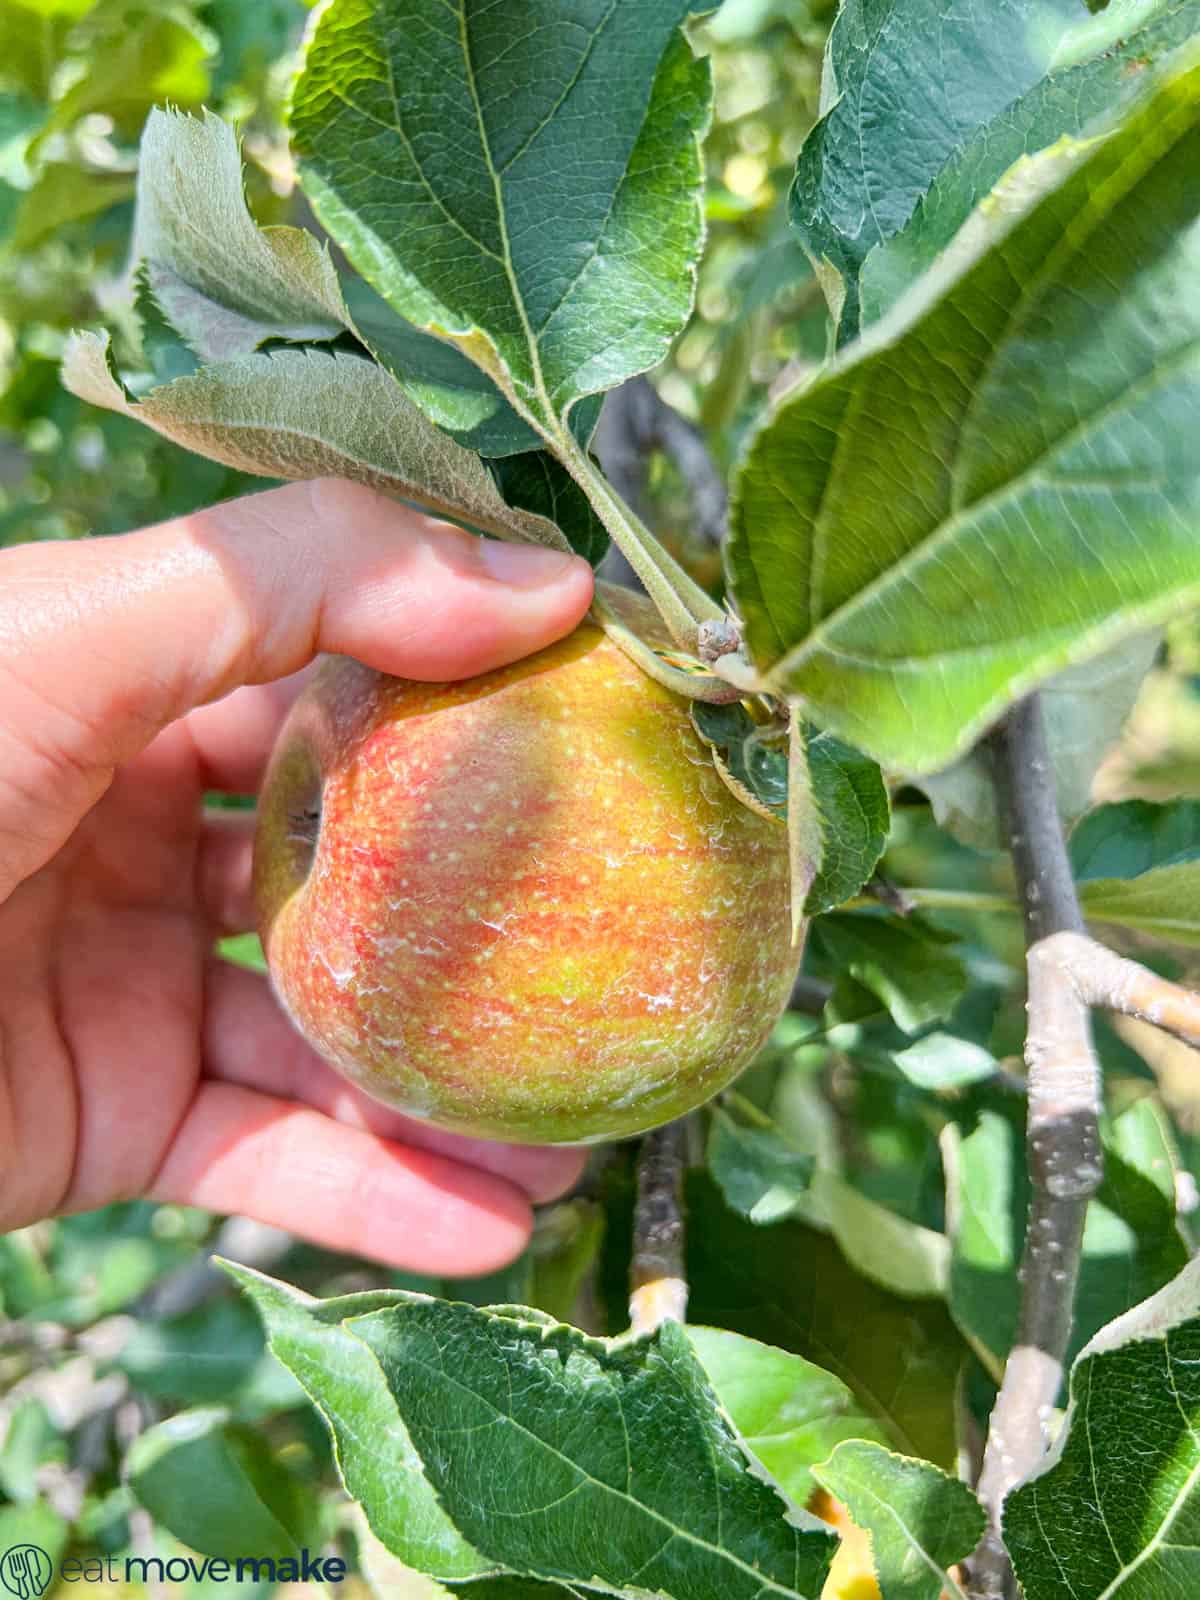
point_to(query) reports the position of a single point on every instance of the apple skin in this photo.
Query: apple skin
(533, 912)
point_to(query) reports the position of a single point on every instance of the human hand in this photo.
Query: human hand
(135, 674)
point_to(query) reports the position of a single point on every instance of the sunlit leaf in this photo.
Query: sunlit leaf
(787, 1411)
(1113, 1514)
(921, 1520)
(917, 542)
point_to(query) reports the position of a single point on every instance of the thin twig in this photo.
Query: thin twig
(810, 995)
(1062, 1130)
(1102, 978)
(658, 1280)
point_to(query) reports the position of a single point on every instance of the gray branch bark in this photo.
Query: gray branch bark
(658, 1280)
(635, 422)
(1062, 1130)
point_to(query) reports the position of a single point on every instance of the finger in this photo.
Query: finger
(340, 1187)
(248, 1041)
(103, 642)
(224, 871)
(234, 736)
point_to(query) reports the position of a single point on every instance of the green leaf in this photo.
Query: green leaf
(133, 57)
(37, 1524)
(224, 284)
(792, 1287)
(566, 1242)
(915, 543)
(216, 1353)
(908, 965)
(788, 1412)
(535, 481)
(941, 1061)
(1084, 710)
(1109, 72)
(245, 949)
(855, 816)
(33, 37)
(30, 1440)
(1131, 1243)
(759, 1173)
(1135, 836)
(1139, 866)
(906, 85)
(559, 1441)
(449, 388)
(61, 195)
(306, 413)
(1164, 903)
(921, 1521)
(1113, 1515)
(375, 1454)
(219, 1488)
(901, 1255)
(846, 814)
(752, 756)
(561, 264)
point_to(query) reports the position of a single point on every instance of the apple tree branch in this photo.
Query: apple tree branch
(658, 1280)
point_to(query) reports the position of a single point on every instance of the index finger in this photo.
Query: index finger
(105, 642)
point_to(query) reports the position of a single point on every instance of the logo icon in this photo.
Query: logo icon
(25, 1571)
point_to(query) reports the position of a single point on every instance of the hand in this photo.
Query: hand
(132, 1062)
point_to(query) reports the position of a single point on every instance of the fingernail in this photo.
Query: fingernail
(527, 566)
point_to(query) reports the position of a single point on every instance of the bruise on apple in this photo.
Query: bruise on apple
(521, 907)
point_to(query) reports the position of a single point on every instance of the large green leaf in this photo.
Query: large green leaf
(535, 203)
(934, 527)
(1084, 710)
(306, 413)
(907, 83)
(560, 1442)
(1115, 1514)
(791, 1286)
(546, 1448)
(375, 1454)
(921, 1521)
(788, 1412)
(1085, 82)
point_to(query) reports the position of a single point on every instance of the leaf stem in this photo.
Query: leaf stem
(681, 601)
(658, 1281)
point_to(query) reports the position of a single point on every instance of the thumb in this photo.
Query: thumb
(104, 642)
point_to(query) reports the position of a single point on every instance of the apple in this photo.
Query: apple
(524, 906)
